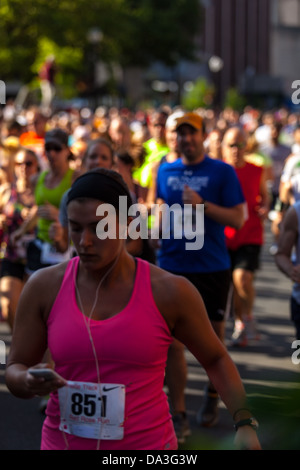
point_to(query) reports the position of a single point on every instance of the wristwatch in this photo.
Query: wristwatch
(247, 422)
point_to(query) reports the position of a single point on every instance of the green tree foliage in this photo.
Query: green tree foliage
(200, 95)
(135, 32)
(164, 30)
(234, 100)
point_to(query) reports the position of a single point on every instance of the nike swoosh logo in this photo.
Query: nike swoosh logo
(108, 389)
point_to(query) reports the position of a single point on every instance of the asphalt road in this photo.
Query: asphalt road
(268, 373)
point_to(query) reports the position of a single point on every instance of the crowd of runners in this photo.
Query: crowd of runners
(241, 168)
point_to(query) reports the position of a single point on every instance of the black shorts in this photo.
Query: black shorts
(12, 269)
(214, 289)
(246, 257)
(295, 315)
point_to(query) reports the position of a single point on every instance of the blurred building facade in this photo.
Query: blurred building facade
(237, 31)
(259, 44)
(254, 43)
(285, 42)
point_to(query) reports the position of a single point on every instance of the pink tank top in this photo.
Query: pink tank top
(132, 349)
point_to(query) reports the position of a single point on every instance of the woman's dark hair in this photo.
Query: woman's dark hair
(102, 184)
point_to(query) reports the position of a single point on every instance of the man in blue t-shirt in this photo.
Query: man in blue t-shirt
(210, 194)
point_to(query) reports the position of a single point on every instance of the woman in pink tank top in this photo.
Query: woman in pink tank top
(108, 321)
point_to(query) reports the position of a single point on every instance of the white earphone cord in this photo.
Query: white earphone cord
(87, 321)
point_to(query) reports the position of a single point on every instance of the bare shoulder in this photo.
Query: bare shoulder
(50, 275)
(43, 286)
(164, 281)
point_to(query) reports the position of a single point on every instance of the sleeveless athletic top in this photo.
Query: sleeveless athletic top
(53, 196)
(132, 349)
(252, 231)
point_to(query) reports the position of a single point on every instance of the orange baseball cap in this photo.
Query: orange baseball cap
(192, 119)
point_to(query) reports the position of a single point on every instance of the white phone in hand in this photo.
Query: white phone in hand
(47, 374)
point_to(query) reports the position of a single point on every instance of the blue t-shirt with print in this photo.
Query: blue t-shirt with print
(216, 182)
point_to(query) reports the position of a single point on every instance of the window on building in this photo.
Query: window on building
(289, 13)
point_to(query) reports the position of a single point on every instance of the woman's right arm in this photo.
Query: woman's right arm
(29, 341)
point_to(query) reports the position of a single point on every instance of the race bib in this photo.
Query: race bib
(92, 411)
